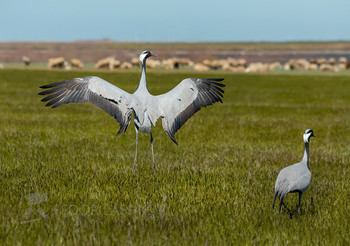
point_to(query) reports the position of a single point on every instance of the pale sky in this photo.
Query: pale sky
(172, 21)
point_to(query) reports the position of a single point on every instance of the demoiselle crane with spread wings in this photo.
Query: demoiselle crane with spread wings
(174, 107)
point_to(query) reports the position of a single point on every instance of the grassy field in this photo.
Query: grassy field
(215, 188)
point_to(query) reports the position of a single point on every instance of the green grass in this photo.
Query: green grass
(215, 188)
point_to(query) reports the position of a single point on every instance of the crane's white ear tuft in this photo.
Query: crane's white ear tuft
(306, 137)
(144, 54)
(142, 57)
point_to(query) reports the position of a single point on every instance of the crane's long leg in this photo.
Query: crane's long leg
(289, 211)
(285, 206)
(282, 203)
(154, 164)
(300, 195)
(137, 143)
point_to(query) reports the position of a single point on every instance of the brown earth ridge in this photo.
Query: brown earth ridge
(92, 51)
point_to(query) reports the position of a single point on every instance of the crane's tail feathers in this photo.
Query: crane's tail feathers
(173, 139)
(280, 207)
(274, 199)
(125, 125)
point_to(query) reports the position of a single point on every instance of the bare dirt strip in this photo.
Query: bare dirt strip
(90, 52)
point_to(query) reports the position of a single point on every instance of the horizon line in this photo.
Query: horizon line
(174, 42)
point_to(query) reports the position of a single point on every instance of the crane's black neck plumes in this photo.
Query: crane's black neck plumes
(306, 155)
(143, 84)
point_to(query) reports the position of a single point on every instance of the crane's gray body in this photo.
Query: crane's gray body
(295, 178)
(174, 107)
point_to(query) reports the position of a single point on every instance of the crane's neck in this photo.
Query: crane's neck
(143, 83)
(306, 155)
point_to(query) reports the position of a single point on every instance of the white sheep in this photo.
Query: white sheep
(108, 62)
(126, 65)
(201, 67)
(76, 63)
(26, 60)
(58, 62)
(329, 68)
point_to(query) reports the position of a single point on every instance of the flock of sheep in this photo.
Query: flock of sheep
(229, 64)
(241, 65)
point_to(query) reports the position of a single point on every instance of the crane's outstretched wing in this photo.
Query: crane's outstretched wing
(106, 96)
(179, 104)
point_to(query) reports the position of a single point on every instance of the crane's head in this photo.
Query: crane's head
(307, 135)
(144, 55)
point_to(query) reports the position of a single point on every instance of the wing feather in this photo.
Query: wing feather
(95, 90)
(179, 104)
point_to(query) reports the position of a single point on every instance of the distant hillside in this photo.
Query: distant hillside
(90, 52)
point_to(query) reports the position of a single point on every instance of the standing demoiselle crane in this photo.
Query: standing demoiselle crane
(295, 178)
(174, 107)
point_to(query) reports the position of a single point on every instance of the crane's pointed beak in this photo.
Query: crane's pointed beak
(312, 135)
(153, 55)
